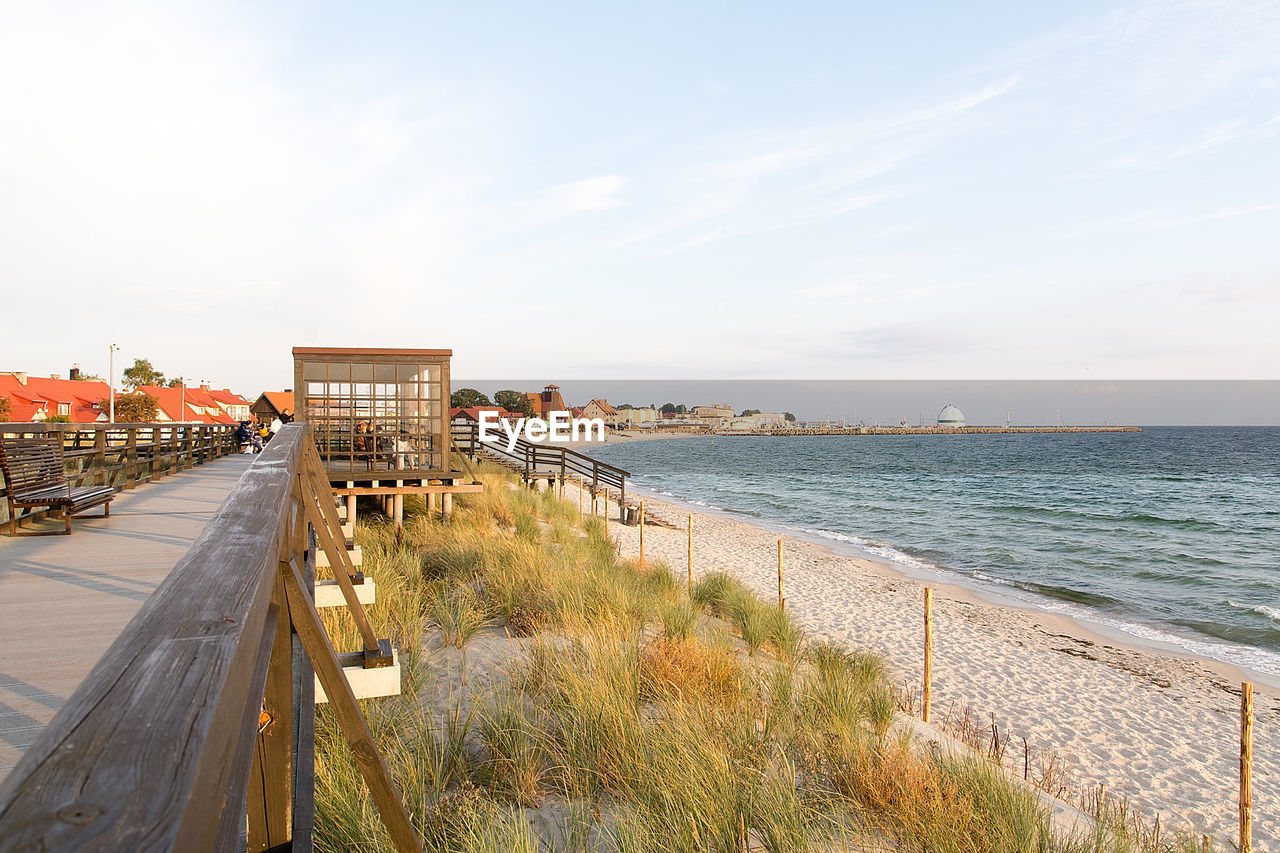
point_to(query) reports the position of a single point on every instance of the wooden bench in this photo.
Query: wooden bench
(35, 477)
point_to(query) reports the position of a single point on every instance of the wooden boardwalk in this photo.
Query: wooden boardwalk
(64, 599)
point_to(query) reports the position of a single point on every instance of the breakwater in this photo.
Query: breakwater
(931, 430)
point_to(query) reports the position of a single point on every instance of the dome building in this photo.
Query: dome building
(950, 416)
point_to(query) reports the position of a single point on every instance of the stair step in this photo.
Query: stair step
(367, 683)
(329, 594)
(322, 559)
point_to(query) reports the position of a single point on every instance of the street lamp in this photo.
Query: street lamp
(112, 350)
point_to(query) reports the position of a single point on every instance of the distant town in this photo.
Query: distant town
(146, 395)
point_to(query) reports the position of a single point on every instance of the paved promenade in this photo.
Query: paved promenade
(64, 599)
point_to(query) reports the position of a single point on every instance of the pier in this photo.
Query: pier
(64, 599)
(160, 687)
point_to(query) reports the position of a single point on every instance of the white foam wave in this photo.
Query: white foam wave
(1272, 613)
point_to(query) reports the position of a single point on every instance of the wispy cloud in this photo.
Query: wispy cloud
(586, 195)
(1159, 219)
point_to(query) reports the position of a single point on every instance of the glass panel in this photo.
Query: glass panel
(362, 372)
(384, 372)
(313, 370)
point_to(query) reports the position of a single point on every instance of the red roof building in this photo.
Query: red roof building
(546, 402)
(187, 405)
(230, 402)
(35, 398)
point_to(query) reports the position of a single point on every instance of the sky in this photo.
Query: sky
(739, 190)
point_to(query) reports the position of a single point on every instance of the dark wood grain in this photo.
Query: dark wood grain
(139, 757)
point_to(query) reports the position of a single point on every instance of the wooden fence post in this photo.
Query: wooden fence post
(99, 456)
(606, 513)
(690, 553)
(131, 457)
(927, 694)
(1246, 767)
(641, 533)
(781, 600)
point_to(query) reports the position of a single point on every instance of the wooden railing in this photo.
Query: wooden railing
(124, 455)
(195, 731)
(532, 458)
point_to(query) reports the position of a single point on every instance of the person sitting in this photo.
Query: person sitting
(248, 438)
(362, 444)
(274, 428)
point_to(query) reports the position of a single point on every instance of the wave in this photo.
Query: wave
(1067, 593)
(1272, 613)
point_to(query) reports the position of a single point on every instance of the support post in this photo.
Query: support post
(641, 533)
(446, 507)
(690, 553)
(270, 798)
(131, 457)
(386, 798)
(927, 693)
(99, 456)
(781, 600)
(1246, 767)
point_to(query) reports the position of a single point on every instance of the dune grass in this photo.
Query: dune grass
(630, 716)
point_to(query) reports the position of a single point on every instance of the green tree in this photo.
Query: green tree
(790, 417)
(6, 409)
(746, 413)
(136, 408)
(88, 377)
(465, 398)
(175, 383)
(141, 373)
(514, 401)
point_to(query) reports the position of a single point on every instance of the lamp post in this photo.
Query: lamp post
(112, 350)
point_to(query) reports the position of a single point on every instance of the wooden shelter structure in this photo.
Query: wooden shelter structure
(380, 418)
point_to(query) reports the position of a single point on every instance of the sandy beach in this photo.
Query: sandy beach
(1159, 728)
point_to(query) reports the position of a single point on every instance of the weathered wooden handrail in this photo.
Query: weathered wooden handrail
(124, 455)
(195, 730)
(534, 457)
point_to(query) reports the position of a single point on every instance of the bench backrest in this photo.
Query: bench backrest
(31, 463)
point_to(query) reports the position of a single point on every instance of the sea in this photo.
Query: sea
(1170, 535)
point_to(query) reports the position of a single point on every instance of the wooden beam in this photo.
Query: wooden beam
(306, 621)
(465, 488)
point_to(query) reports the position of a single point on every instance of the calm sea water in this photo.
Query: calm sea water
(1172, 534)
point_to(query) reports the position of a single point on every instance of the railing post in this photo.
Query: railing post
(130, 457)
(100, 456)
(156, 453)
(271, 794)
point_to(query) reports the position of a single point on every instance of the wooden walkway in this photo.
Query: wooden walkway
(64, 599)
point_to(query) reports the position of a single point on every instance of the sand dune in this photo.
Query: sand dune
(1159, 728)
